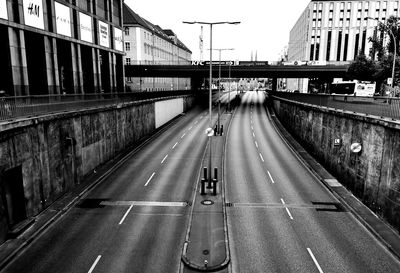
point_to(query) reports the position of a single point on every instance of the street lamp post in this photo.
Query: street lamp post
(210, 83)
(219, 86)
(395, 47)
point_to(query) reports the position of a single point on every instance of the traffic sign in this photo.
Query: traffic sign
(209, 132)
(355, 147)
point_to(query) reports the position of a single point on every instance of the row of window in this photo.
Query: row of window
(318, 6)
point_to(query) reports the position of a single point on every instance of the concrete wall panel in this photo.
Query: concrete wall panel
(167, 110)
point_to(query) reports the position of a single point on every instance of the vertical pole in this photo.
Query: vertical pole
(394, 57)
(229, 92)
(210, 97)
(219, 91)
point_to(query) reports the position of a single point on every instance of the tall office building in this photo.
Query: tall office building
(336, 32)
(61, 47)
(146, 43)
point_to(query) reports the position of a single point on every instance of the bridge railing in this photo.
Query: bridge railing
(25, 106)
(386, 107)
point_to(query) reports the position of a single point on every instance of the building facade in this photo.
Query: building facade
(61, 47)
(146, 43)
(335, 32)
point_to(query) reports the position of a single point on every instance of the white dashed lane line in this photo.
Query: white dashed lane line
(256, 143)
(270, 177)
(94, 264)
(174, 145)
(126, 214)
(287, 210)
(165, 157)
(148, 181)
(315, 260)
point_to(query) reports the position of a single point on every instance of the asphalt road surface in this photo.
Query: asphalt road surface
(136, 220)
(280, 218)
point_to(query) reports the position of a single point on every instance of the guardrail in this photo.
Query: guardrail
(378, 106)
(25, 106)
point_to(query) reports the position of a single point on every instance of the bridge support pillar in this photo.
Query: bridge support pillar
(274, 84)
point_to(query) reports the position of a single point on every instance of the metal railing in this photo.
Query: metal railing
(25, 106)
(387, 107)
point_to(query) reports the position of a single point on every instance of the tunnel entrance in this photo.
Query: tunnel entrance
(14, 195)
(6, 83)
(87, 69)
(65, 66)
(36, 63)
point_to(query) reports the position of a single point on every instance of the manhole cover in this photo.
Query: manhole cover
(207, 202)
(206, 252)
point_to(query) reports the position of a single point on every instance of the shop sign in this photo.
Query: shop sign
(3, 10)
(63, 19)
(33, 13)
(86, 27)
(118, 40)
(104, 34)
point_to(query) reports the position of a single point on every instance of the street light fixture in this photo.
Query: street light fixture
(210, 83)
(395, 46)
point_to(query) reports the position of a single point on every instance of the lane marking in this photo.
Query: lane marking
(174, 145)
(261, 157)
(270, 177)
(165, 157)
(190, 128)
(254, 135)
(315, 260)
(126, 214)
(256, 143)
(252, 128)
(287, 210)
(148, 181)
(183, 135)
(195, 122)
(94, 264)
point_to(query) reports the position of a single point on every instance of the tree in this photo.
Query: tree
(363, 68)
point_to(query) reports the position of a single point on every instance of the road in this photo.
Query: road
(281, 218)
(136, 220)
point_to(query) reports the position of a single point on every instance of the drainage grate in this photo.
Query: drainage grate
(229, 204)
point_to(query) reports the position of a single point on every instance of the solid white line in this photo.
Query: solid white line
(149, 179)
(315, 260)
(94, 264)
(165, 157)
(261, 157)
(126, 214)
(183, 135)
(256, 143)
(175, 145)
(272, 180)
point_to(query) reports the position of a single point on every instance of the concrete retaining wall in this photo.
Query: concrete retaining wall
(56, 152)
(373, 175)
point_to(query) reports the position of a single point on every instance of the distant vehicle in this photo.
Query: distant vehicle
(353, 89)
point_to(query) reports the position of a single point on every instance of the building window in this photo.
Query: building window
(359, 6)
(331, 6)
(127, 46)
(128, 61)
(126, 31)
(341, 5)
(348, 6)
(328, 45)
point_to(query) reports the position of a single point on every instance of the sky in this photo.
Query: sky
(265, 25)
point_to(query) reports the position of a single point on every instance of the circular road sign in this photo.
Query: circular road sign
(209, 132)
(355, 147)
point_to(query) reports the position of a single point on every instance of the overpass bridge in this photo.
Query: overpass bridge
(237, 71)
